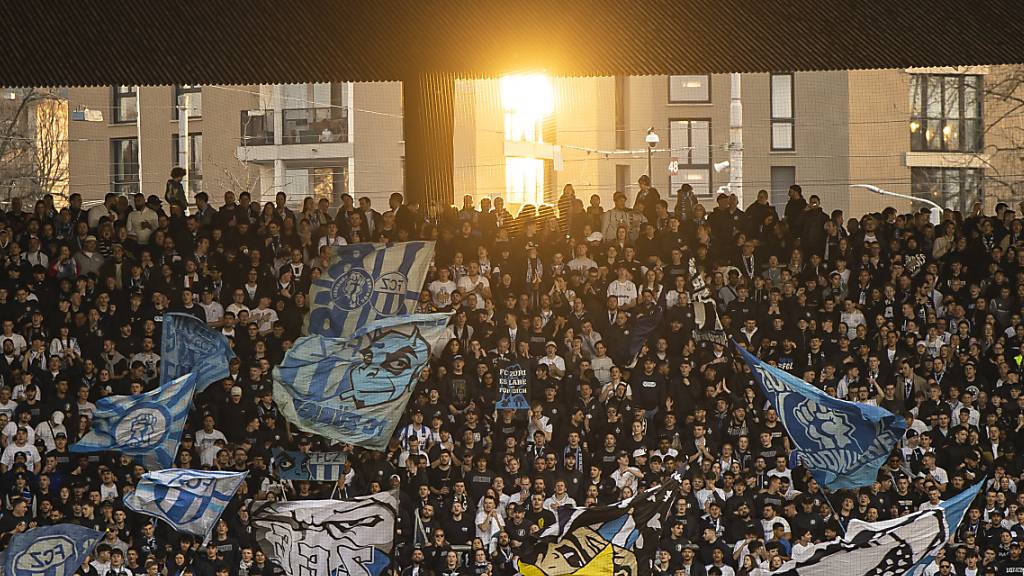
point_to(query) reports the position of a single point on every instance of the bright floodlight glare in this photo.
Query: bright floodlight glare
(529, 95)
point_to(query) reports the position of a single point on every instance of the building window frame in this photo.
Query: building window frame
(196, 103)
(966, 126)
(120, 97)
(934, 183)
(124, 165)
(779, 118)
(194, 170)
(685, 158)
(683, 100)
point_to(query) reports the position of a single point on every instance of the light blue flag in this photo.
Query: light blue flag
(49, 550)
(364, 282)
(355, 389)
(147, 425)
(189, 345)
(842, 443)
(897, 547)
(189, 500)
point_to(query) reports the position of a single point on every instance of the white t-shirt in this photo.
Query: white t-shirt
(12, 428)
(214, 311)
(30, 451)
(206, 439)
(9, 409)
(624, 291)
(263, 317)
(441, 292)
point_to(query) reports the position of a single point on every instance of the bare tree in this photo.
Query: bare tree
(33, 143)
(1004, 133)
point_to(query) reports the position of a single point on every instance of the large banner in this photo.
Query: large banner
(842, 444)
(57, 550)
(146, 425)
(325, 537)
(364, 282)
(189, 345)
(189, 500)
(896, 547)
(355, 389)
(309, 466)
(513, 382)
(620, 538)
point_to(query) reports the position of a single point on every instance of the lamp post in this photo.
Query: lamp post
(935, 216)
(652, 141)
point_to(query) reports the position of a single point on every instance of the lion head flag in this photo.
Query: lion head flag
(355, 389)
(618, 539)
(188, 345)
(896, 547)
(322, 537)
(364, 282)
(841, 443)
(189, 500)
(146, 425)
(57, 550)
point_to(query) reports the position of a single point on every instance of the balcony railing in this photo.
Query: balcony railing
(315, 125)
(257, 127)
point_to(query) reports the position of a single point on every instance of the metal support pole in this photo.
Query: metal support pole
(736, 140)
(185, 143)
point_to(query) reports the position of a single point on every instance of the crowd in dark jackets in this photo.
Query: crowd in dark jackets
(884, 309)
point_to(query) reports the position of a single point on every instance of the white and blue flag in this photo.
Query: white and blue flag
(57, 550)
(189, 500)
(355, 389)
(841, 443)
(364, 282)
(897, 547)
(146, 425)
(189, 345)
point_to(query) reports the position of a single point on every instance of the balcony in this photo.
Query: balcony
(257, 127)
(315, 125)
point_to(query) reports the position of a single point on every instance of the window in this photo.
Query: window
(195, 161)
(782, 112)
(954, 188)
(689, 88)
(945, 113)
(195, 100)
(621, 112)
(524, 180)
(782, 178)
(328, 182)
(125, 165)
(621, 177)
(126, 104)
(690, 141)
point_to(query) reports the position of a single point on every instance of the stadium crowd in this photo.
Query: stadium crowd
(884, 309)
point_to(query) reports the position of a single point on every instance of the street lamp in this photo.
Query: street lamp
(652, 141)
(935, 216)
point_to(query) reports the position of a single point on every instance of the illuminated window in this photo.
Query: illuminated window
(945, 113)
(524, 180)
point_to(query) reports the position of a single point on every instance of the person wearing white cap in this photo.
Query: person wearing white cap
(47, 431)
(554, 362)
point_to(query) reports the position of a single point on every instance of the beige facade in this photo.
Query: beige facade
(93, 158)
(823, 130)
(847, 127)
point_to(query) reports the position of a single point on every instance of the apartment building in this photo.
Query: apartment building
(948, 135)
(301, 139)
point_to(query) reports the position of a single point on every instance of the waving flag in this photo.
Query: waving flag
(355, 389)
(364, 282)
(147, 425)
(352, 537)
(619, 538)
(894, 547)
(57, 550)
(189, 500)
(708, 326)
(842, 443)
(189, 345)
